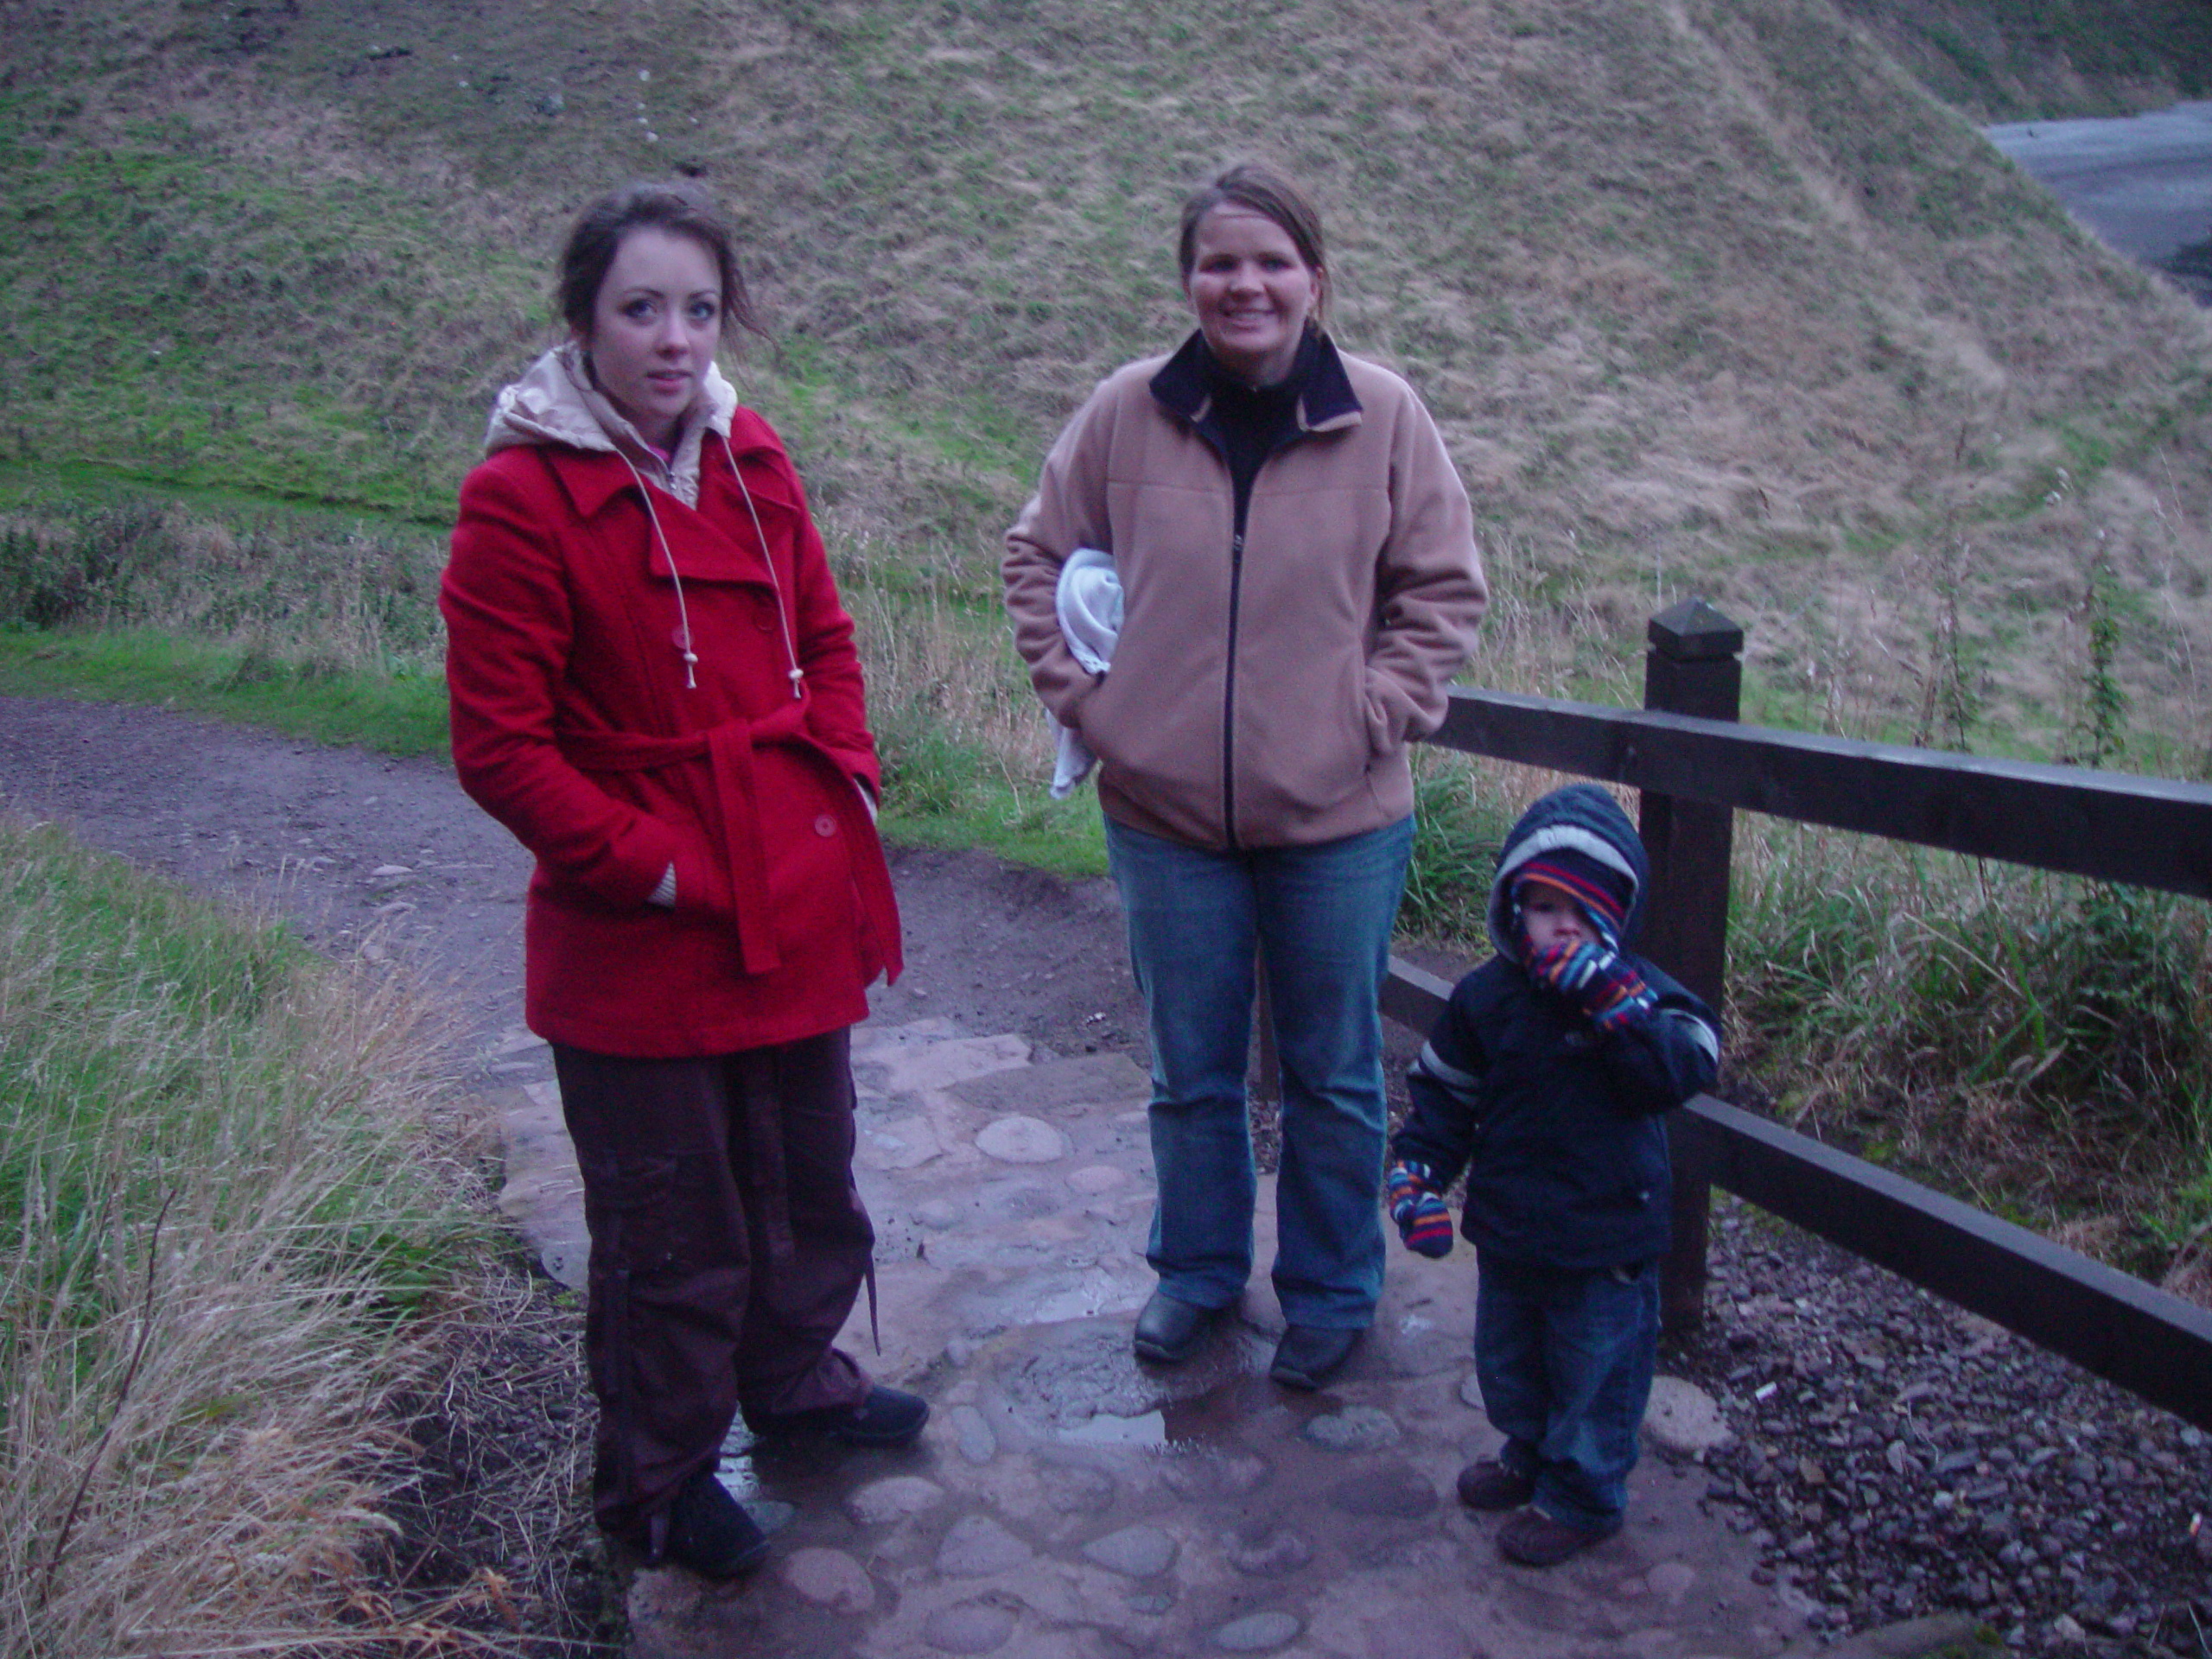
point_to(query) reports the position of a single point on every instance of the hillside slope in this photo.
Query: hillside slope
(2045, 60)
(1709, 295)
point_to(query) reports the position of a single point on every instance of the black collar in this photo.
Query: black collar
(1183, 385)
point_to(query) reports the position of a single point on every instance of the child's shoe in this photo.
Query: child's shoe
(1533, 1539)
(1490, 1485)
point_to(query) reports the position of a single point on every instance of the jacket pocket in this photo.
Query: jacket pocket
(1301, 745)
(1158, 735)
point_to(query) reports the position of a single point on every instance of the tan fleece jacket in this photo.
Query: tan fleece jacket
(1261, 696)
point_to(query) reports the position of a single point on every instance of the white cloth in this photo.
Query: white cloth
(1090, 599)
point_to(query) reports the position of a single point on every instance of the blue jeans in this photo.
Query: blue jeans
(1565, 1362)
(1320, 917)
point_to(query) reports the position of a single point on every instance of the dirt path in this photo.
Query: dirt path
(388, 858)
(363, 852)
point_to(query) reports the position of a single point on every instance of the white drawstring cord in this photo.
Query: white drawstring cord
(682, 615)
(795, 673)
(783, 616)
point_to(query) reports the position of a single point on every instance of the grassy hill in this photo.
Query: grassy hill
(1709, 295)
(2030, 60)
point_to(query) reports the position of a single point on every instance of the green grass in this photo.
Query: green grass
(2051, 59)
(2038, 1042)
(193, 245)
(308, 622)
(1459, 824)
(1028, 827)
(392, 716)
(218, 1219)
(1706, 301)
(290, 254)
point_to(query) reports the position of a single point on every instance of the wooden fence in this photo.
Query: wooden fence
(1695, 767)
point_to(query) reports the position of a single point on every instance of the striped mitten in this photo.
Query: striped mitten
(1597, 979)
(1423, 1222)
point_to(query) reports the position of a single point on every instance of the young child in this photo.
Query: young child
(1545, 1078)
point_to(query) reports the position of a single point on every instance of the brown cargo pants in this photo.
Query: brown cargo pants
(728, 1244)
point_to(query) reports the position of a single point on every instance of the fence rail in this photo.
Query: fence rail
(2132, 1333)
(1696, 766)
(2145, 832)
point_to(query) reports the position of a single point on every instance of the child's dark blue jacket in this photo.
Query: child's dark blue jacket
(1558, 1125)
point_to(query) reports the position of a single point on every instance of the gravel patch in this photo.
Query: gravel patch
(1897, 1456)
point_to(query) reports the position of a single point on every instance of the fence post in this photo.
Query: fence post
(1693, 667)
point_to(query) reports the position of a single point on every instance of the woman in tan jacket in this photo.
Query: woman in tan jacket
(1299, 583)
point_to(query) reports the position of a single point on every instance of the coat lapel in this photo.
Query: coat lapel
(703, 550)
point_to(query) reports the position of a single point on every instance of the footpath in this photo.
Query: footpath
(1066, 1503)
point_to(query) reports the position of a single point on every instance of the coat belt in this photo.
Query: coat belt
(729, 749)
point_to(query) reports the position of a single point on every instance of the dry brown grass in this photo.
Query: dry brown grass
(1709, 295)
(240, 1236)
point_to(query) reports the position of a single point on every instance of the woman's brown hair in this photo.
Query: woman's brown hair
(679, 207)
(1268, 192)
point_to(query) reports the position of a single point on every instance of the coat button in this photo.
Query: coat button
(825, 825)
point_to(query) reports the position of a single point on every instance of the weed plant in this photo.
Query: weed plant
(2041, 1044)
(218, 1229)
(314, 625)
(321, 601)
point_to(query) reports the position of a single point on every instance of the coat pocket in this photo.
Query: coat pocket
(630, 1207)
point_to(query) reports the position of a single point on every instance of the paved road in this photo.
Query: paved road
(2143, 183)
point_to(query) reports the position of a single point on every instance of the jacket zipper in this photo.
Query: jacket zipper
(1229, 682)
(1242, 504)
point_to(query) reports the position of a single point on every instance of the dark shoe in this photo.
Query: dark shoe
(1169, 1330)
(1490, 1485)
(1533, 1539)
(888, 1417)
(1307, 1357)
(709, 1532)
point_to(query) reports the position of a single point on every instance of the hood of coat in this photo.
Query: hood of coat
(555, 402)
(1581, 818)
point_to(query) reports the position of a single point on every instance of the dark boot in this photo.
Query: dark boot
(1490, 1485)
(1169, 1330)
(1533, 1539)
(887, 1417)
(1308, 1356)
(709, 1532)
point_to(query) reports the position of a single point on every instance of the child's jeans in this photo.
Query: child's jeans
(1565, 1362)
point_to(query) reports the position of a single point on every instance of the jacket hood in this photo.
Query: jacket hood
(1582, 818)
(555, 403)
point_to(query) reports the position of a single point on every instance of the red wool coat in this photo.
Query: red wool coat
(573, 725)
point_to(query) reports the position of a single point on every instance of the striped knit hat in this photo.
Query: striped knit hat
(1602, 893)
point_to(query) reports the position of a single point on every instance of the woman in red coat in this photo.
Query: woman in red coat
(654, 687)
